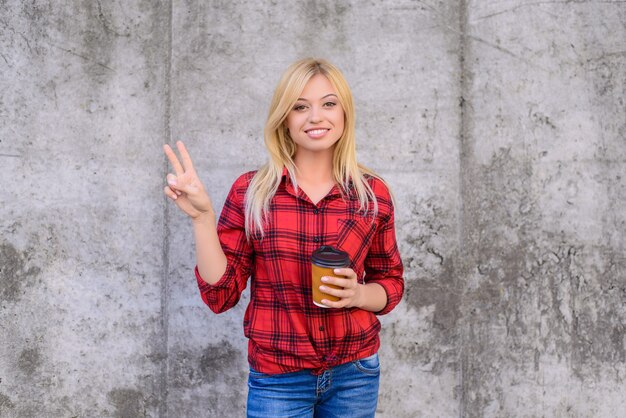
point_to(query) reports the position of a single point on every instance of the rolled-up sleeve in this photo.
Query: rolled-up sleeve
(226, 292)
(383, 264)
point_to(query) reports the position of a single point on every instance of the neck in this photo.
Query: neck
(314, 167)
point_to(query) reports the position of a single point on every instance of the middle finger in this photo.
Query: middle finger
(184, 155)
(337, 281)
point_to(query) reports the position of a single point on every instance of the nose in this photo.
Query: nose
(314, 115)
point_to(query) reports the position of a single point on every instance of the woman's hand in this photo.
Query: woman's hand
(351, 293)
(184, 187)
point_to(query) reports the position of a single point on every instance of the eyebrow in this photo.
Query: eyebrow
(330, 94)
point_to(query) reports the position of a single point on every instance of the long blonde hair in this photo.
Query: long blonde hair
(282, 149)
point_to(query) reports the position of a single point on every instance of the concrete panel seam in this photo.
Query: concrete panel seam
(164, 346)
(463, 154)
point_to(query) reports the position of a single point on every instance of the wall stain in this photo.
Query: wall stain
(531, 295)
(217, 359)
(443, 295)
(128, 403)
(210, 34)
(217, 362)
(617, 338)
(319, 15)
(428, 245)
(5, 403)
(36, 29)
(14, 273)
(97, 41)
(435, 351)
(602, 71)
(206, 370)
(539, 302)
(29, 360)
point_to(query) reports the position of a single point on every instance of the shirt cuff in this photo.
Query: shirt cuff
(223, 282)
(392, 295)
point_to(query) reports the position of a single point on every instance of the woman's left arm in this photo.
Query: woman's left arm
(383, 265)
(383, 284)
(368, 296)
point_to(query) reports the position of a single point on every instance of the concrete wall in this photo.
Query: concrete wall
(501, 127)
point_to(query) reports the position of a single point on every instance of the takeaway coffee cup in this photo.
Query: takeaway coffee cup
(323, 261)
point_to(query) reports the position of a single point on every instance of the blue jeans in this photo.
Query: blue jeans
(349, 390)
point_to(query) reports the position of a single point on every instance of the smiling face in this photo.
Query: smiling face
(316, 120)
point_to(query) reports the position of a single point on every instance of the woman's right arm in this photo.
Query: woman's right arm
(187, 191)
(210, 256)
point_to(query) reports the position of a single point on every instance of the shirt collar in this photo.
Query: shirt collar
(286, 181)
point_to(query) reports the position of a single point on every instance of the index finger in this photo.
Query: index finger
(185, 156)
(173, 160)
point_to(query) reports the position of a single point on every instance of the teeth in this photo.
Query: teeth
(317, 131)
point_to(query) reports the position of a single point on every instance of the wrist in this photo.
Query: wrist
(207, 217)
(360, 296)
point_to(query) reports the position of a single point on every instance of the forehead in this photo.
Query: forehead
(317, 87)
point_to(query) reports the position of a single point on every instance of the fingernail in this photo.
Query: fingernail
(324, 279)
(171, 181)
(337, 271)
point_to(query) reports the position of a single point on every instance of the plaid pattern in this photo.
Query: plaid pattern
(286, 331)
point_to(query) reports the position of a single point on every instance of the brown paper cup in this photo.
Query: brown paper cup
(323, 261)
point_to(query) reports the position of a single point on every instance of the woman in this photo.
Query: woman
(305, 360)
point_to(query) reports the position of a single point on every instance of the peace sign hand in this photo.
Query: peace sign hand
(185, 187)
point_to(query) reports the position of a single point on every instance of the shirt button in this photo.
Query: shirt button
(316, 211)
(316, 239)
(321, 327)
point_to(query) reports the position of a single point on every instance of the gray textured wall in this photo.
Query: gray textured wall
(500, 125)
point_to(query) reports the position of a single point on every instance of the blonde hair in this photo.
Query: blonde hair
(282, 149)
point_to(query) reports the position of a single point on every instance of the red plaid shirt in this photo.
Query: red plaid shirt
(286, 331)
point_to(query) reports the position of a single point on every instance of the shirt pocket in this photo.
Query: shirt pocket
(354, 236)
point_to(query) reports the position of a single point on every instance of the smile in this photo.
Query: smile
(316, 133)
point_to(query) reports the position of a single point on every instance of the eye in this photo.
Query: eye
(299, 107)
(330, 104)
